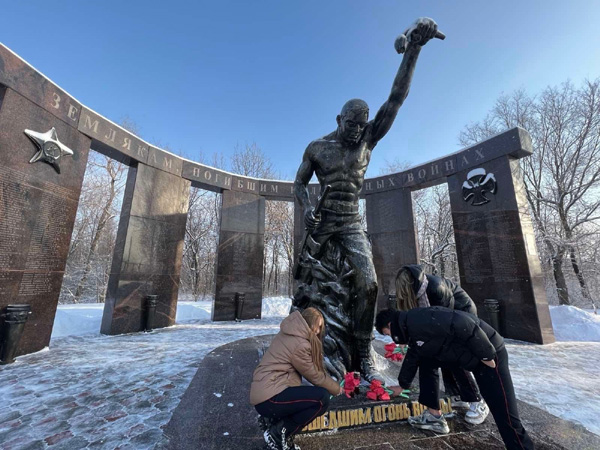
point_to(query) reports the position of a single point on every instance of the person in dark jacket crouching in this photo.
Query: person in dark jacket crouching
(438, 336)
(415, 288)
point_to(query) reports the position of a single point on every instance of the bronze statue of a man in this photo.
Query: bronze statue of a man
(340, 159)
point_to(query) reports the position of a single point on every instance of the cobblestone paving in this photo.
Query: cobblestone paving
(107, 392)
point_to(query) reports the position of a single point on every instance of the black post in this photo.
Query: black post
(14, 324)
(492, 306)
(239, 305)
(150, 312)
(392, 303)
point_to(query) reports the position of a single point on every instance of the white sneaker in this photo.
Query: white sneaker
(428, 421)
(458, 403)
(477, 413)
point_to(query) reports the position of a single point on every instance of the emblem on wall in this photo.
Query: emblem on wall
(477, 185)
(50, 148)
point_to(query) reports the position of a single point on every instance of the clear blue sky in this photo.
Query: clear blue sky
(205, 76)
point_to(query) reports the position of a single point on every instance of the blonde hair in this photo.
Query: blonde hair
(405, 292)
(312, 316)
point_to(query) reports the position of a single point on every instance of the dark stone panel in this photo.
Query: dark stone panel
(239, 269)
(497, 253)
(40, 290)
(17, 149)
(159, 195)
(148, 250)
(37, 213)
(166, 161)
(20, 76)
(112, 140)
(126, 296)
(240, 255)
(243, 213)
(390, 223)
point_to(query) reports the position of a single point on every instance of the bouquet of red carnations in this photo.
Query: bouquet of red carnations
(394, 352)
(378, 392)
(351, 383)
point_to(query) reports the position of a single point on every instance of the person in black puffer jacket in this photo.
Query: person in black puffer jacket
(416, 288)
(441, 337)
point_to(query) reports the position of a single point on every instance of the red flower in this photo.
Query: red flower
(371, 395)
(390, 347)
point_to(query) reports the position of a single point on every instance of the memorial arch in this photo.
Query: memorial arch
(494, 236)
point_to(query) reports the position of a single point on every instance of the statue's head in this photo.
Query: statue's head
(352, 120)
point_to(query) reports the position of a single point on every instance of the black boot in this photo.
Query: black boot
(367, 364)
(276, 438)
(264, 423)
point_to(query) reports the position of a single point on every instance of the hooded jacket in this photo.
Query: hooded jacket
(442, 292)
(448, 337)
(287, 360)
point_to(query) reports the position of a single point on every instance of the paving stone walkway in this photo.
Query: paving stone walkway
(107, 392)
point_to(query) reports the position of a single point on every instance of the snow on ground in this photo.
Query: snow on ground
(85, 318)
(108, 391)
(574, 324)
(561, 378)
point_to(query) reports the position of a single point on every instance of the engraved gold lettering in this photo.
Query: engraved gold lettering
(343, 418)
(377, 414)
(354, 417)
(333, 423)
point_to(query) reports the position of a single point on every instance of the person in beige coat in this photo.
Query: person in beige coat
(284, 404)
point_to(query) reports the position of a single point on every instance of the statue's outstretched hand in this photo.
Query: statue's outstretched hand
(422, 31)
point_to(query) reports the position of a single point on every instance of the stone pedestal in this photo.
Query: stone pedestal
(240, 255)
(37, 212)
(391, 226)
(496, 250)
(148, 250)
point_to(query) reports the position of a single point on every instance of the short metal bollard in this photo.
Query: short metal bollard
(239, 305)
(492, 306)
(150, 312)
(15, 317)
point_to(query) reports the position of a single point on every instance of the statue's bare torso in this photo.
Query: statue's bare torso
(340, 166)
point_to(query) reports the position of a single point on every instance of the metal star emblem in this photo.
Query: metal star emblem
(50, 148)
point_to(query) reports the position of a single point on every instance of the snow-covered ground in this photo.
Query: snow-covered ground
(85, 318)
(105, 391)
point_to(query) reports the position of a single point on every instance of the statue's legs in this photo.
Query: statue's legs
(358, 253)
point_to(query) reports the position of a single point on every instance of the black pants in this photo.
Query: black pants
(457, 382)
(496, 387)
(461, 383)
(296, 406)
